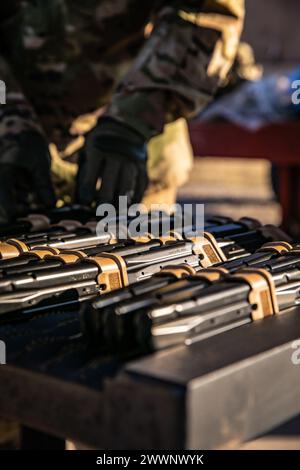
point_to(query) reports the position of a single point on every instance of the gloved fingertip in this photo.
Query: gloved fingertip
(45, 193)
(85, 195)
(141, 186)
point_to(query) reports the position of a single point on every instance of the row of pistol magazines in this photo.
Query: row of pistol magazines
(143, 294)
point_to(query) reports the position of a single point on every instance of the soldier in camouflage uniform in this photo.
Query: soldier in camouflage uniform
(61, 59)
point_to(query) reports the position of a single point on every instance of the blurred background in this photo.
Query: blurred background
(238, 186)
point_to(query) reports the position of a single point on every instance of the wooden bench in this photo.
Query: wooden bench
(216, 393)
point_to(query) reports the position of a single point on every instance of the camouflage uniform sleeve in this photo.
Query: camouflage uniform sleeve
(177, 72)
(16, 114)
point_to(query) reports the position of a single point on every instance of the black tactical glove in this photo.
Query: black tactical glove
(117, 155)
(25, 177)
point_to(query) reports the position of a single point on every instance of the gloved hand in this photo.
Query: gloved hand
(25, 177)
(117, 155)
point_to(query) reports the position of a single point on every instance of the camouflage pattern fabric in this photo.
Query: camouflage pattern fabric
(179, 68)
(63, 59)
(69, 57)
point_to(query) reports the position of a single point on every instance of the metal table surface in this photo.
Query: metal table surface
(216, 393)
